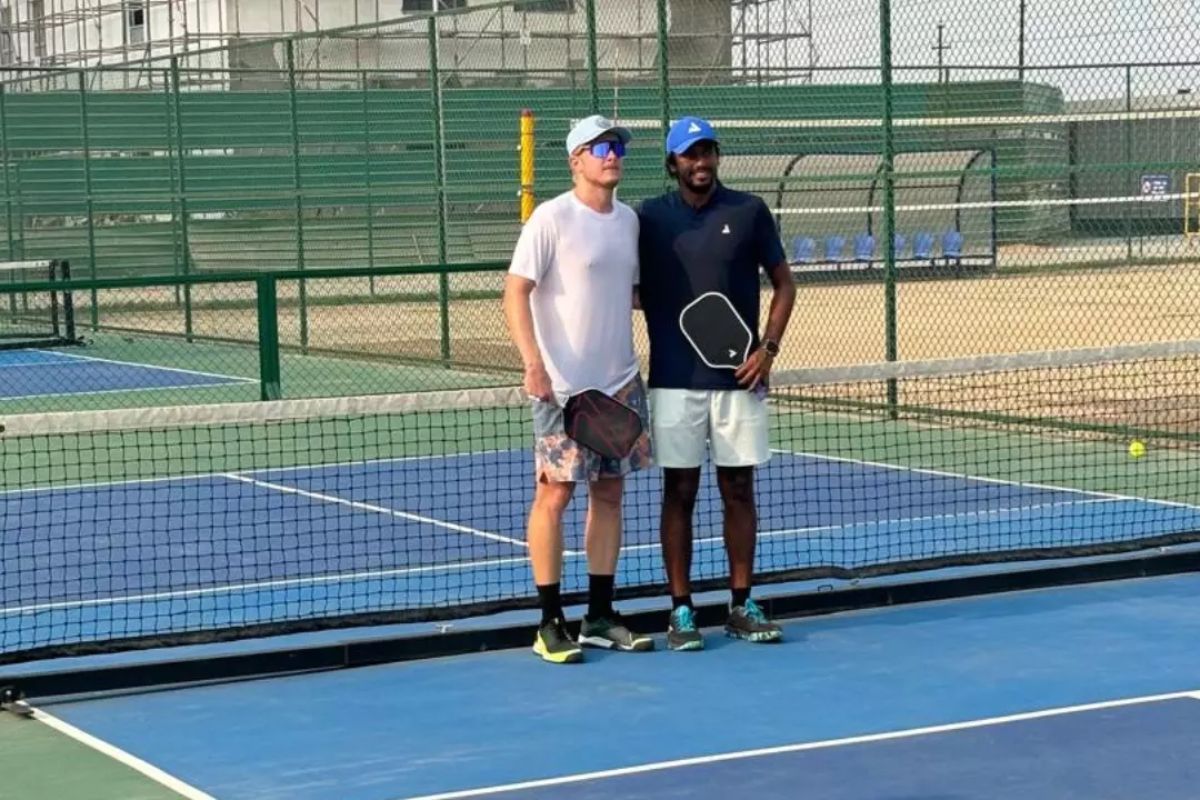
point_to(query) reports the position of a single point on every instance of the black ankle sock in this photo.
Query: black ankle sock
(740, 596)
(681, 600)
(551, 600)
(600, 596)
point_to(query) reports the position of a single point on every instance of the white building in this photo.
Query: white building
(534, 41)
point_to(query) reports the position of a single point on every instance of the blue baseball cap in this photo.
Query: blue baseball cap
(686, 132)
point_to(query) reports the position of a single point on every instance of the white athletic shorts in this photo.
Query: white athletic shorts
(687, 422)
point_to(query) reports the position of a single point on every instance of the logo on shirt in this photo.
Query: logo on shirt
(726, 229)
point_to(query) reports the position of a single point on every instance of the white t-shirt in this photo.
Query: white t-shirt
(585, 265)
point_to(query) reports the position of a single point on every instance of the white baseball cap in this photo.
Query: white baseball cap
(591, 128)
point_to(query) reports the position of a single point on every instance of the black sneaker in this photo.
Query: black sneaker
(611, 633)
(750, 623)
(682, 633)
(555, 645)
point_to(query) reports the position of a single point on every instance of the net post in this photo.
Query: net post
(439, 169)
(68, 303)
(55, 326)
(267, 294)
(889, 201)
(527, 164)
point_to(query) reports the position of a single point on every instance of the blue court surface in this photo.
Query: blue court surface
(192, 553)
(1079, 692)
(34, 373)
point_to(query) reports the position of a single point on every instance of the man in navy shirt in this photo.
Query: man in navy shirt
(702, 238)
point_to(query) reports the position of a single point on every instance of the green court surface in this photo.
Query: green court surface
(40, 763)
(1074, 460)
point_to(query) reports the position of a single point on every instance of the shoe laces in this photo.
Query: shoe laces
(754, 612)
(683, 619)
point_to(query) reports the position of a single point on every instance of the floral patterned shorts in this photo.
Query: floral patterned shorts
(560, 458)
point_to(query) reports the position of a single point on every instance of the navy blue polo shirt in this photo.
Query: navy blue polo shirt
(688, 251)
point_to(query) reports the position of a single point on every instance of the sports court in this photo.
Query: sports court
(1044, 694)
(352, 526)
(33, 373)
(416, 532)
(265, 468)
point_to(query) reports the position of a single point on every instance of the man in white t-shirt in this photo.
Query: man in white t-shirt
(568, 301)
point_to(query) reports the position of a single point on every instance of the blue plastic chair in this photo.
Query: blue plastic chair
(864, 247)
(952, 244)
(923, 245)
(900, 241)
(834, 245)
(803, 250)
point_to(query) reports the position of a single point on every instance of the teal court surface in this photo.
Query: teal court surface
(116, 371)
(1086, 691)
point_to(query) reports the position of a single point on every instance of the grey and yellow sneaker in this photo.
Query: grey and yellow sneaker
(750, 623)
(682, 633)
(611, 633)
(554, 644)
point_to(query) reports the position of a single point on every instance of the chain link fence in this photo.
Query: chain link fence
(949, 178)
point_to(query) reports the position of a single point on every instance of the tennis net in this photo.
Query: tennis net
(40, 319)
(136, 528)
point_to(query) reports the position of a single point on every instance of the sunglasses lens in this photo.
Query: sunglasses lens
(602, 149)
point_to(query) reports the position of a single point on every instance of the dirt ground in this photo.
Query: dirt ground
(831, 324)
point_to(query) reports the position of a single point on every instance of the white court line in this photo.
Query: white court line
(360, 506)
(351, 577)
(140, 365)
(122, 757)
(97, 392)
(256, 586)
(983, 479)
(890, 521)
(799, 748)
(298, 468)
(58, 362)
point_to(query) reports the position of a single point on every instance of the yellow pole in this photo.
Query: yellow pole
(527, 140)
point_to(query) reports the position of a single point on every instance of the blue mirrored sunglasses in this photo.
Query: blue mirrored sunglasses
(602, 149)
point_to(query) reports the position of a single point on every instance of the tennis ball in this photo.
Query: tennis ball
(1137, 448)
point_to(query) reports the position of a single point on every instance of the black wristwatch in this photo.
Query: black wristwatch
(771, 346)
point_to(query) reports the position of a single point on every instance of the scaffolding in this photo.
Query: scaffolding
(712, 41)
(81, 33)
(773, 41)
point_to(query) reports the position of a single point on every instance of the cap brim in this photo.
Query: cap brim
(624, 134)
(686, 144)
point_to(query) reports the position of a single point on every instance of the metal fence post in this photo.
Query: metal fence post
(593, 58)
(664, 80)
(439, 170)
(8, 189)
(302, 287)
(185, 244)
(889, 201)
(89, 203)
(366, 109)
